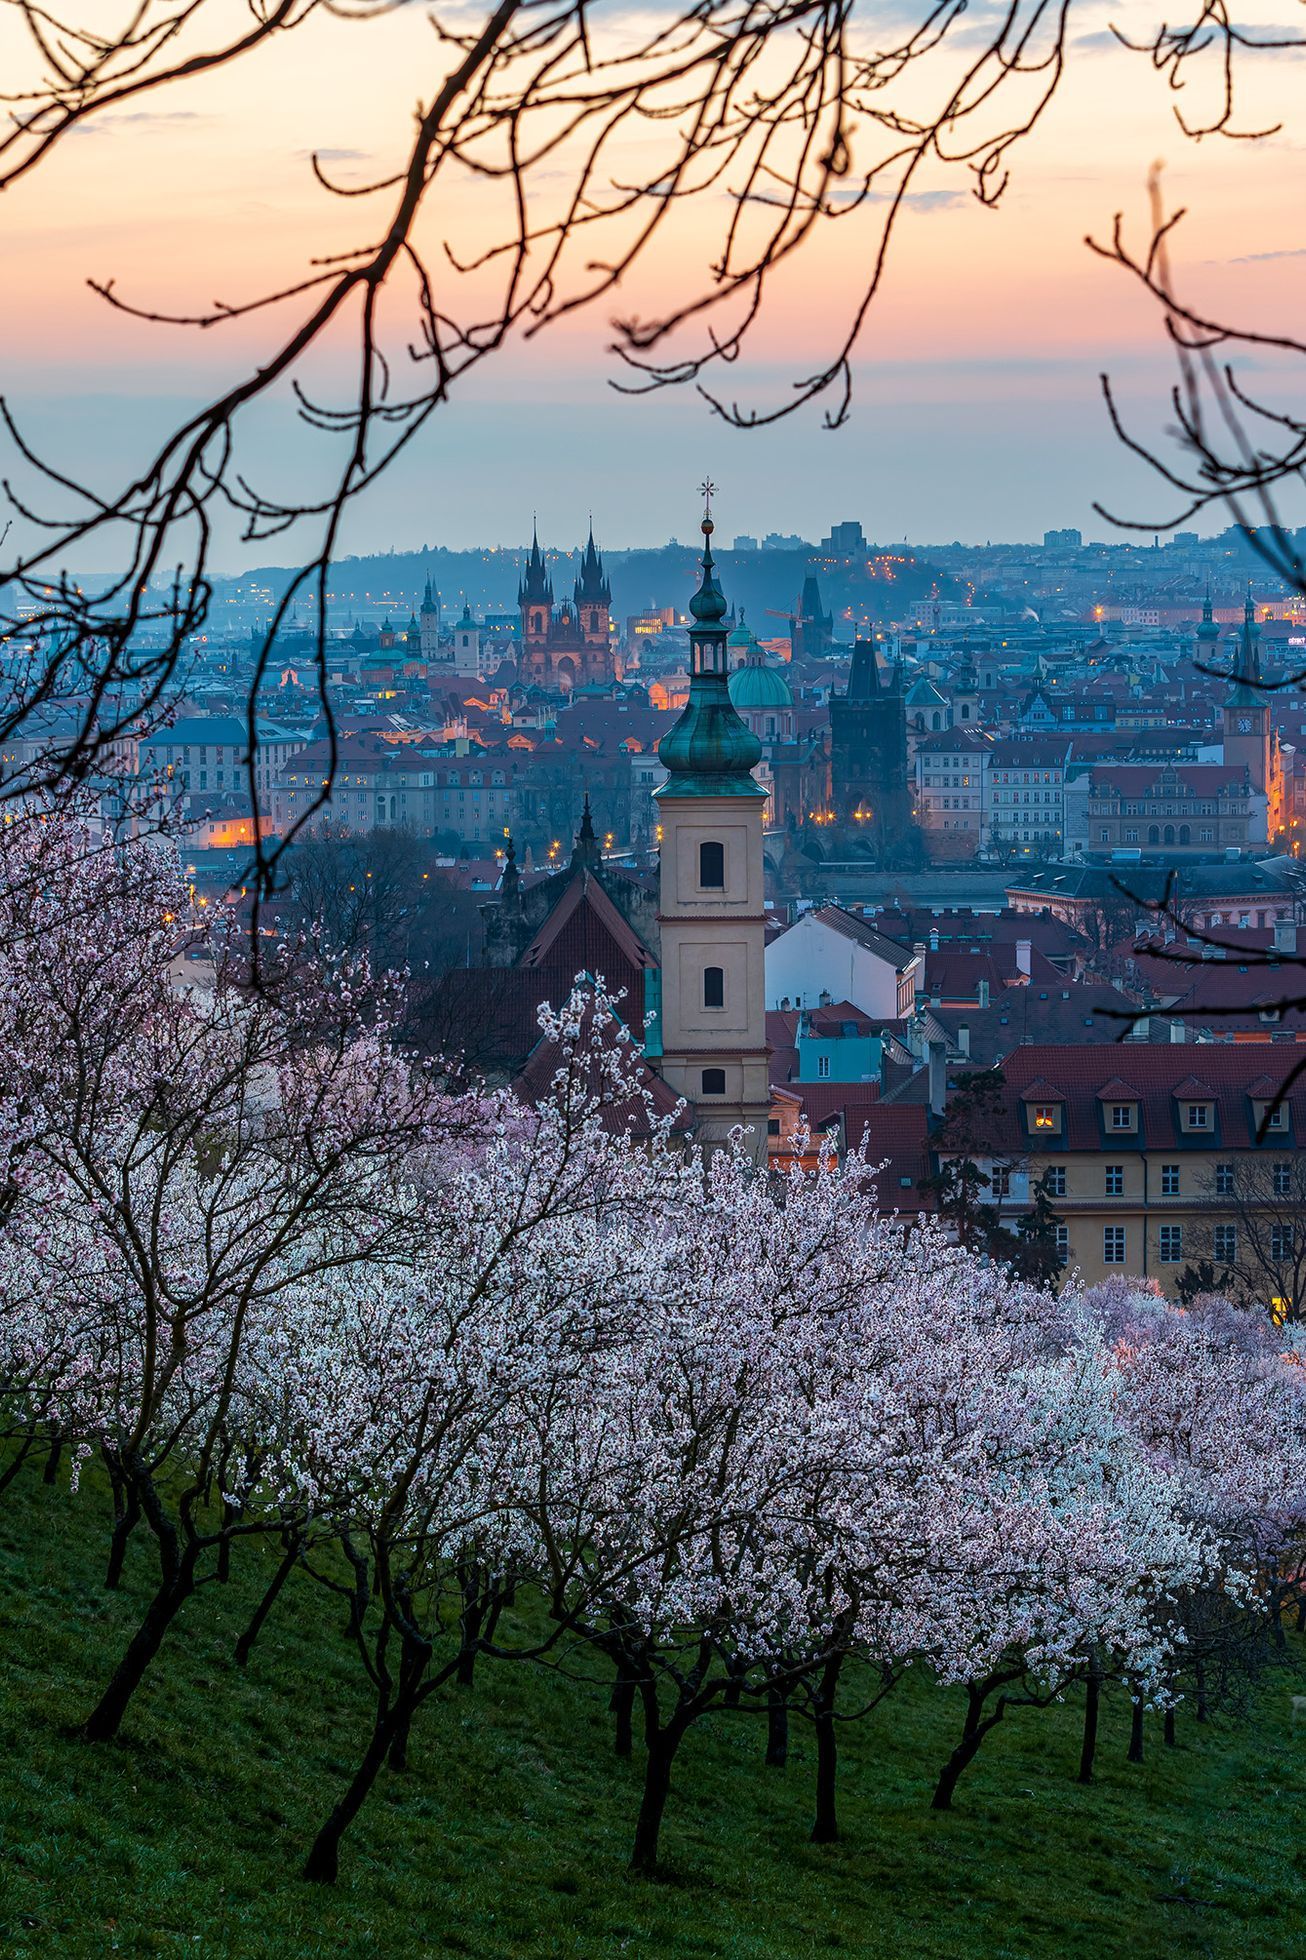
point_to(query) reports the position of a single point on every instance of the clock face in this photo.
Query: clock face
(1244, 724)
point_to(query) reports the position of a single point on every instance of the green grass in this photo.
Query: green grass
(509, 1834)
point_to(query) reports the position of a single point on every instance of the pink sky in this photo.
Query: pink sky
(977, 394)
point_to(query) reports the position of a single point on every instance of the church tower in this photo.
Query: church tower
(868, 754)
(467, 643)
(535, 599)
(1250, 740)
(593, 596)
(711, 913)
(429, 624)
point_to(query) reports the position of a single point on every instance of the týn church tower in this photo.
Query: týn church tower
(711, 910)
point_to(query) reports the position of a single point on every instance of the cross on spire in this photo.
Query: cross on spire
(707, 490)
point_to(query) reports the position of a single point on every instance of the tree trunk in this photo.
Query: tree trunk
(472, 1618)
(105, 1719)
(230, 1514)
(622, 1706)
(777, 1729)
(1199, 1682)
(323, 1861)
(825, 1824)
(16, 1463)
(965, 1752)
(245, 1645)
(657, 1787)
(397, 1760)
(1136, 1731)
(1092, 1701)
(1168, 1730)
(127, 1518)
(53, 1460)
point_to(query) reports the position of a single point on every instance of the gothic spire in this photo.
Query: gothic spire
(536, 588)
(592, 588)
(585, 855)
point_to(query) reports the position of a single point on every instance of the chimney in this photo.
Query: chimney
(938, 1077)
(934, 939)
(1178, 1032)
(1023, 947)
(983, 993)
(963, 1039)
(1285, 935)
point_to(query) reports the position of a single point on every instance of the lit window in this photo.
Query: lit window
(1045, 1116)
(1113, 1245)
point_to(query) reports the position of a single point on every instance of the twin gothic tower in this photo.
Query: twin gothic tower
(712, 915)
(570, 645)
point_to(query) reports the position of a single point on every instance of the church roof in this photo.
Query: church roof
(757, 685)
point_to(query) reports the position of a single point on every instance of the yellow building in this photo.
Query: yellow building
(1153, 1156)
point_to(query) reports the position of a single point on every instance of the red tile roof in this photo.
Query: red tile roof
(1159, 1078)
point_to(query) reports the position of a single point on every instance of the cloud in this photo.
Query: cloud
(1262, 258)
(142, 118)
(913, 201)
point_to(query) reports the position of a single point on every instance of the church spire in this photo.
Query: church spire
(585, 854)
(535, 589)
(592, 588)
(711, 751)
(1246, 690)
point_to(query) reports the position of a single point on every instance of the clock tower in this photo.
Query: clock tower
(711, 892)
(1250, 740)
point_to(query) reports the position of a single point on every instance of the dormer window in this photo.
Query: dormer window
(1045, 1117)
(1197, 1116)
(1122, 1116)
(1271, 1117)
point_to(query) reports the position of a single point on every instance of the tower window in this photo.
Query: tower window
(712, 866)
(714, 1082)
(714, 986)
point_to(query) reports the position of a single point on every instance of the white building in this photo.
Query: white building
(831, 954)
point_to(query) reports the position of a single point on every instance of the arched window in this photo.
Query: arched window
(1169, 833)
(714, 986)
(1185, 834)
(712, 866)
(1153, 834)
(714, 1082)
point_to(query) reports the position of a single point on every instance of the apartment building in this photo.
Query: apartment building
(1143, 1148)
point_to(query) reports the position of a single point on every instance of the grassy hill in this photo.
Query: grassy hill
(509, 1834)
